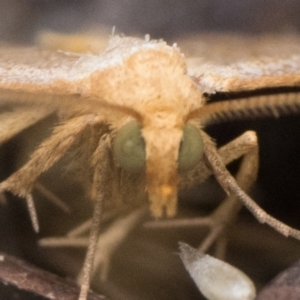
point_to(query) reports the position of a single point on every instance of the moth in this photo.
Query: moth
(137, 112)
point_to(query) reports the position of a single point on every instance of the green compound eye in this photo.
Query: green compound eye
(129, 147)
(191, 148)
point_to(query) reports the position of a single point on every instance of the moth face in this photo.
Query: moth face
(161, 152)
(154, 83)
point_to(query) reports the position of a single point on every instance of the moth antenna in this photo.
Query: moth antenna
(32, 213)
(230, 186)
(252, 107)
(89, 259)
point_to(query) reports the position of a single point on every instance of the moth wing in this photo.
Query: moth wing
(35, 82)
(228, 63)
(33, 70)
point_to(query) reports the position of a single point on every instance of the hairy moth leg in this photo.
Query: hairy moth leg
(90, 255)
(22, 181)
(100, 249)
(100, 164)
(14, 122)
(107, 243)
(243, 146)
(15, 119)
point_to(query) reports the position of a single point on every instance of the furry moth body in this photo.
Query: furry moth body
(151, 102)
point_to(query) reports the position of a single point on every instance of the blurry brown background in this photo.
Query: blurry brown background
(20, 19)
(161, 276)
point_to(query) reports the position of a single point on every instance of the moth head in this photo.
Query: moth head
(153, 83)
(163, 151)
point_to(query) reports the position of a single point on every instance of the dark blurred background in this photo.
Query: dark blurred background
(21, 19)
(278, 185)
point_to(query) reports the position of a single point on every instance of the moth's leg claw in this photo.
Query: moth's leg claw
(221, 220)
(24, 192)
(6, 186)
(217, 224)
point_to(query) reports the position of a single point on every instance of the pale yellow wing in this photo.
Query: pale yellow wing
(228, 63)
(221, 63)
(34, 70)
